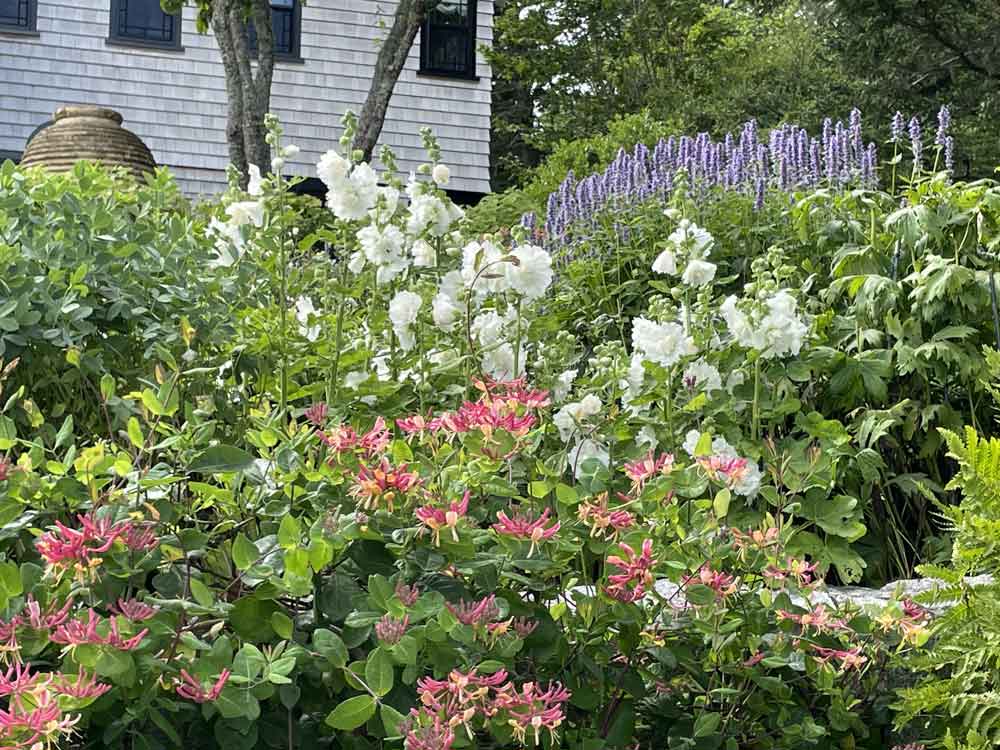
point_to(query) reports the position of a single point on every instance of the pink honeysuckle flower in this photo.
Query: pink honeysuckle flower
(376, 439)
(524, 627)
(721, 583)
(39, 723)
(51, 618)
(756, 538)
(602, 519)
(341, 438)
(630, 585)
(849, 659)
(192, 689)
(531, 709)
(19, 679)
(390, 630)
(79, 550)
(521, 527)
(382, 484)
(819, 619)
(316, 414)
(476, 614)
(134, 610)
(512, 392)
(140, 537)
(10, 647)
(408, 595)
(728, 470)
(84, 686)
(412, 425)
(5, 468)
(77, 633)
(644, 469)
(437, 519)
(430, 734)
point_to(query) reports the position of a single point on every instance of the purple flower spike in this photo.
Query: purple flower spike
(916, 141)
(898, 125)
(944, 123)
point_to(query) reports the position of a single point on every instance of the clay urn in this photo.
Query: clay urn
(86, 132)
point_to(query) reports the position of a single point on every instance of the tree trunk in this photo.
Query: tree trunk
(234, 90)
(410, 15)
(249, 95)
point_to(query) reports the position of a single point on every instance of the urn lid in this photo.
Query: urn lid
(86, 132)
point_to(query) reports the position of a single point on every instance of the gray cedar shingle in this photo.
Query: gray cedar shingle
(175, 101)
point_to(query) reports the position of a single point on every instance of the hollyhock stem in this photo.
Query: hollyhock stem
(756, 399)
(517, 343)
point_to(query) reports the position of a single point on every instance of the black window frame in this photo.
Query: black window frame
(30, 25)
(427, 35)
(119, 39)
(294, 54)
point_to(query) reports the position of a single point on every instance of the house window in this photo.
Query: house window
(17, 15)
(448, 40)
(144, 22)
(286, 24)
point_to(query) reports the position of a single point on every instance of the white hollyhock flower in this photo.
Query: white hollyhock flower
(386, 202)
(698, 272)
(666, 263)
(498, 362)
(403, 311)
(587, 449)
(647, 438)
(663, 343)
(476, 256)
(441, 175)
(445, 311)
(740, 325)
(531, 275)
(357, 262)
(351, 199)
(573, 415)
(452, 285)
(254, 186)
(702, 376)
(355, 378)
(332, 169)
(690, 236)
(304, 309)
(423, 254)
(563, 385)
(381, 246)
(690, 444)
(748, 483)
(430, 213)
(246, 212)
(784, 330)
(290, 151)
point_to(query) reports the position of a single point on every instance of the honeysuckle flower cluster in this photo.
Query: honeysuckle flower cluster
(80, 551)
(195, 690)
(464, 698)
(725, 465)
(439, 519)
(636, 577)
(648, 467)
(604, 520)
(523, 527)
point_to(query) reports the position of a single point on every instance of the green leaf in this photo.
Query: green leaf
(352, 713)
(245, 554)
(282, 625)
(221, 459)
(721, 503)
(330, 646)
(107, 386)
(379, 671)
(706, 724)
(65, 433)
(135, 433)
(249, 662)
(289, 532)
(391, 719)
(201, 593)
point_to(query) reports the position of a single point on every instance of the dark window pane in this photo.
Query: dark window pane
(144, 19)
(15, 13)
(448, 39)
(283, 26)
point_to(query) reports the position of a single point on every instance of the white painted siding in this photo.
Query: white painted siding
(175, 100)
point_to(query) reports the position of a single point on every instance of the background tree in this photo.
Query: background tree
(248, 73)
